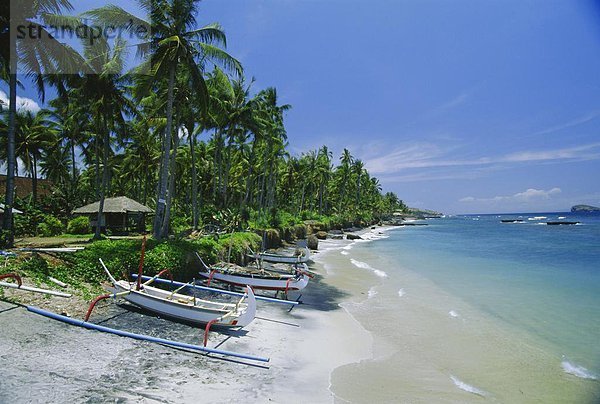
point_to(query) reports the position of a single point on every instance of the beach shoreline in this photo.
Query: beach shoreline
(305, 345)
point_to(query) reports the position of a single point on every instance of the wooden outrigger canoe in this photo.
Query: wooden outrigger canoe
(184, 307)
(303, 258)
(257, 279)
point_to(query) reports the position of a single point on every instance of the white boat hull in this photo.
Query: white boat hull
(285, 282)
(186, 308)
(283, 259)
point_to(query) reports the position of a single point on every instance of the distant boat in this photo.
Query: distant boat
(512, 220)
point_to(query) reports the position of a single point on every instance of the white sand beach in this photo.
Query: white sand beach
(48, 361)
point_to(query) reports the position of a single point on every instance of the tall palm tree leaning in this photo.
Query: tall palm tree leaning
(171, 42)
(33, 57)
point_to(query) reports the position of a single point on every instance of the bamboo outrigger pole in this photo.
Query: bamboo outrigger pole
(141, 337)
(19, 285)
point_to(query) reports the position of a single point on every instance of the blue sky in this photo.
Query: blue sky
(461, 107)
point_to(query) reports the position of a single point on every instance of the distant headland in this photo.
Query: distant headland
(585, 208)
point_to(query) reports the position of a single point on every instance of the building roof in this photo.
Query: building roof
(23, 186)
(14, 210)
(120, 204)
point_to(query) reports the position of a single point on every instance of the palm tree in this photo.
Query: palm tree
(102, 92)
(34, 134)
(357, 168)
(323, 172)
(172, 42)
(35, 57)
(344, 172)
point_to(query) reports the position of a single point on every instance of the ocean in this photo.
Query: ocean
(470, 308)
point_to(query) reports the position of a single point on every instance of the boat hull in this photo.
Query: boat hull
(282, 259)
(290, 282)
(182, 307)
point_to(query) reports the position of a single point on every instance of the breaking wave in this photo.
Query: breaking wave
(467, 387)
(577, 370)
(364, 265)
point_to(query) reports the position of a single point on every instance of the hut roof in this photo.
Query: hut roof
(120, 204)
(14, 210)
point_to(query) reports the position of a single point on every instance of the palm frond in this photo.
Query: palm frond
(220, 57)
(210, 34)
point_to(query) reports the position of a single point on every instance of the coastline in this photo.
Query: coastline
(430, 345)
(358, 337)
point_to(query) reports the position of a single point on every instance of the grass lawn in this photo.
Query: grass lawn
(57, 241)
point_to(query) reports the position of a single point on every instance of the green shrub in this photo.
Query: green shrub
(79, 225)
(234, 247)
(26, 223)
(50, 226)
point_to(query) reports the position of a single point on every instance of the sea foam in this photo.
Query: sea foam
(401, 293)
(467, 387)
(577, 370)
(364, 265)
(372, 293)
(344, 252)
(454, 314)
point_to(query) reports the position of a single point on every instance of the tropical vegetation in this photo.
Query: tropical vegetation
(184, 132)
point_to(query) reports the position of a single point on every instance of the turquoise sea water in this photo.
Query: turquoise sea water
(542, 279)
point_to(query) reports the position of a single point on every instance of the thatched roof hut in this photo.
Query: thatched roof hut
(119, 213)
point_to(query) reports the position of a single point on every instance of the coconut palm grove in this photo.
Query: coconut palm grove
(179, 127)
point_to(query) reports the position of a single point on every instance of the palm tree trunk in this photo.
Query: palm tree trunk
(9, 198)
(104, 179)
(173, 169)
(164, 173)
(34, 179)
(321, 198)
(194, 179)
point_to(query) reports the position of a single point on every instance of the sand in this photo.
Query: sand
(47, 361)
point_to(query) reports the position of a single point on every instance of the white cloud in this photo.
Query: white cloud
(530, 195)
(424, 155)
(23, 103)
(575, 122)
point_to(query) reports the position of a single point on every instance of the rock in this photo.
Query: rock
(312, 242)
(314, 226)
(351, 229)
(288, 234)
(300, 231)
(336, 231)
(272, 239)
(353, 237)
(335, 236)
(321, 235)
